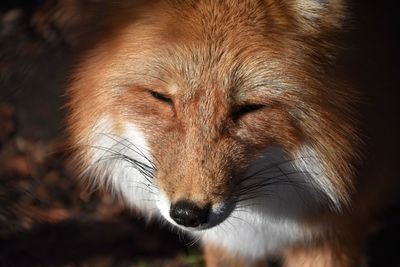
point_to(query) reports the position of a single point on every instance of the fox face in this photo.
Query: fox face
(207, 111)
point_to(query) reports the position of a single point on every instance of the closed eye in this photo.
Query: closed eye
(240, 111)
(161, 97)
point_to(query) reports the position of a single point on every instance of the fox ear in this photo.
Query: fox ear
(319, 15)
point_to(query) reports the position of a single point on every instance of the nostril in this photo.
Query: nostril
(188, 214)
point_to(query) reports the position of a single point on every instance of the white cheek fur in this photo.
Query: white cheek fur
(123, 163)
(164, 206)
(307, 160)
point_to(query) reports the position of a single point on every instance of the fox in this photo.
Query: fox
(224, 119)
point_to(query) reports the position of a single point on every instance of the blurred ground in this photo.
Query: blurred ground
(47, 218)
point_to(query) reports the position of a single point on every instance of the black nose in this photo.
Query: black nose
(188, 214)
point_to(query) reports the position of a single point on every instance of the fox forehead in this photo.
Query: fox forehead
(248, 73)
(207, 50)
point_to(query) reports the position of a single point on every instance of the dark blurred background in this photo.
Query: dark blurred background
(47, 218)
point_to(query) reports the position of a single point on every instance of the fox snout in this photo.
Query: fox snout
(189, 214)
(193, 215)
(196, 183)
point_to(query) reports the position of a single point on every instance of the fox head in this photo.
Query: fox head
(197, 109)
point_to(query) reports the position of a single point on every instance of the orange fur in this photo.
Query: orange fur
(210, 59)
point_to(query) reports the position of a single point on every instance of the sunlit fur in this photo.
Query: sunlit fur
(228, 103)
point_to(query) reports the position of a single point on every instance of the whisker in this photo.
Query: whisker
(146, 170)
(130, 146)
